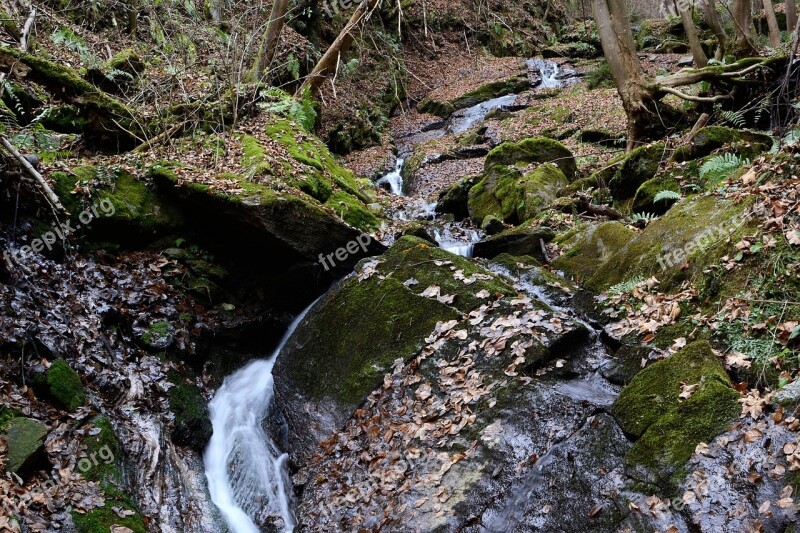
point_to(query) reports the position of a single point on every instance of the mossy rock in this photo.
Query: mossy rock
(65, 385)
(694, 231)
(512, 196)
(533, 150)
(455, 199)
(192, 422)
(639, 166)
(25, 440)
(748, 144)
(21, 100)
(668, 428)
(102, 519)
(482, 94)
(588, 248)
(353, 211)
(523, 240)
(643, 201)
(575, 50)
(7, 414)
(354, 334)
(416, 229)
(127, 61)
(123, 209)
(159, 335)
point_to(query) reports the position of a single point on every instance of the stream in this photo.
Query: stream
(246, 470)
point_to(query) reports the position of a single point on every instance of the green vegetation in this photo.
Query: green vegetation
(65, 385)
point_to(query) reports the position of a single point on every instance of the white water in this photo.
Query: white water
(457, 246)
(246, 472)
(393, 179)
(464, 119)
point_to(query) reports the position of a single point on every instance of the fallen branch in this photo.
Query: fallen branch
(51, 197)
(585, 203)
(700, 124)
(698, 99)
(24, 41)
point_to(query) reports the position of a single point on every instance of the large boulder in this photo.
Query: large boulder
(673, 405)
(354, 335)
(694, 234)
(455, 200)
(514, 196)
(644, 200)
(533, 150)
(25, 438)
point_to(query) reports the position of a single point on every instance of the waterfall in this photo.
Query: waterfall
(245, 470)
(394, 179)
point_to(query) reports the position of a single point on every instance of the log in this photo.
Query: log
(24, 41)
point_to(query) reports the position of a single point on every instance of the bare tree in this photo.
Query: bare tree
(791, 15)
(772, 22)
(340, 46)
(699, 55)
(639, 92)
(270, 44)
(743, 21)
(712, 18)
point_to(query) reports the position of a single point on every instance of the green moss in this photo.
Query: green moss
(127, 61)
(65, 118)
(65, 385)
(586, 249)
(352, 211)
(25, 441)
(693, 225)
(103, 452)
(747, 144)
(639, 166)
(192, 422)
(254, 157)
(514, 197)
(101, 519)
(668, 428)
(157, 333)
(534, 150)
(489, 91)
(6, 415)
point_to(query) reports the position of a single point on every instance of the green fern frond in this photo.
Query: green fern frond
(735, 118)
(720, 167)
(625, 286)
(280, 102)
(647, 217)
(666, 195)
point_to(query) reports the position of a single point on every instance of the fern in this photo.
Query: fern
(625, 286)
(647, 217)
(19, 109)
(280, 102)
(666, 195)
(720, 167)
(735, 118)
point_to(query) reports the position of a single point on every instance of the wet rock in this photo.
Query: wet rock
(515, 195)
(587, 248)
(789, 396)
(158, 336)
(520, 241)
(492, 225)
(25, 438)
(455, 199)
(673, 405)
(192, 423)
(418, 230)
(482, 94)
(639, 166)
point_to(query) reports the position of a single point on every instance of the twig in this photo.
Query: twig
(701, 122)
(48, 192)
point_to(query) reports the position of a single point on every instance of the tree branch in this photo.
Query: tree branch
(698, 99)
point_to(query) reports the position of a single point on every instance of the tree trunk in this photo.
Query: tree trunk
(340, 46)
(743, 21)
(700, 59)
(772, 22)
(791, 15)
(712, 18)
(613, 26)
(268, 48)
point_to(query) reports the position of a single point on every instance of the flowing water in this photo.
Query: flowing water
(246, 471)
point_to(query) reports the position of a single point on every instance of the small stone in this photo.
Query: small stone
(492, 225)
(25, 438)
(789, 396)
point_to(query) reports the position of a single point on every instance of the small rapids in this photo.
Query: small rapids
(394, 180)
(245, 470)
